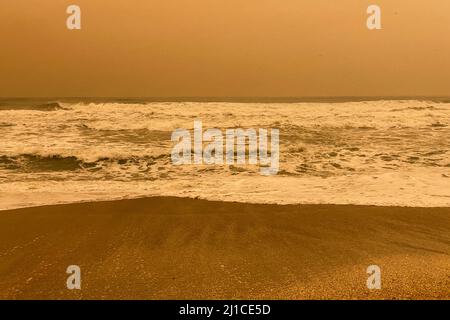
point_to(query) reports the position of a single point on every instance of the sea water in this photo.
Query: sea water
(383, 152)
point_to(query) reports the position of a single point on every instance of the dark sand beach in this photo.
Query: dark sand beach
(173, 248)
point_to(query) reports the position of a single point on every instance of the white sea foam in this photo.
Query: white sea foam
(374, 152)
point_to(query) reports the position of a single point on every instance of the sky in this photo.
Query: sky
(224, 48)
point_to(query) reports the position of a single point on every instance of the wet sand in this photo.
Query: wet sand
(173, 248)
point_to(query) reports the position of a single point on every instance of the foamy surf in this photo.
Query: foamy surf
(393, 153)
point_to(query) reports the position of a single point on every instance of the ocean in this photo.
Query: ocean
(333, 151)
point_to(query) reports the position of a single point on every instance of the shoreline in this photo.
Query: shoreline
(131, 198)
(181, 248)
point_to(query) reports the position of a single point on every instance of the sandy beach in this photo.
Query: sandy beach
(174, 248)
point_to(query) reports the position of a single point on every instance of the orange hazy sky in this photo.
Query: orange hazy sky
(233, 48)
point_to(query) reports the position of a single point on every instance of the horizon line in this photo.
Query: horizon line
(177, 98)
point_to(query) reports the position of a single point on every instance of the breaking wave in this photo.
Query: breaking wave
(49, 106)
(365, 152)
(47, 163)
